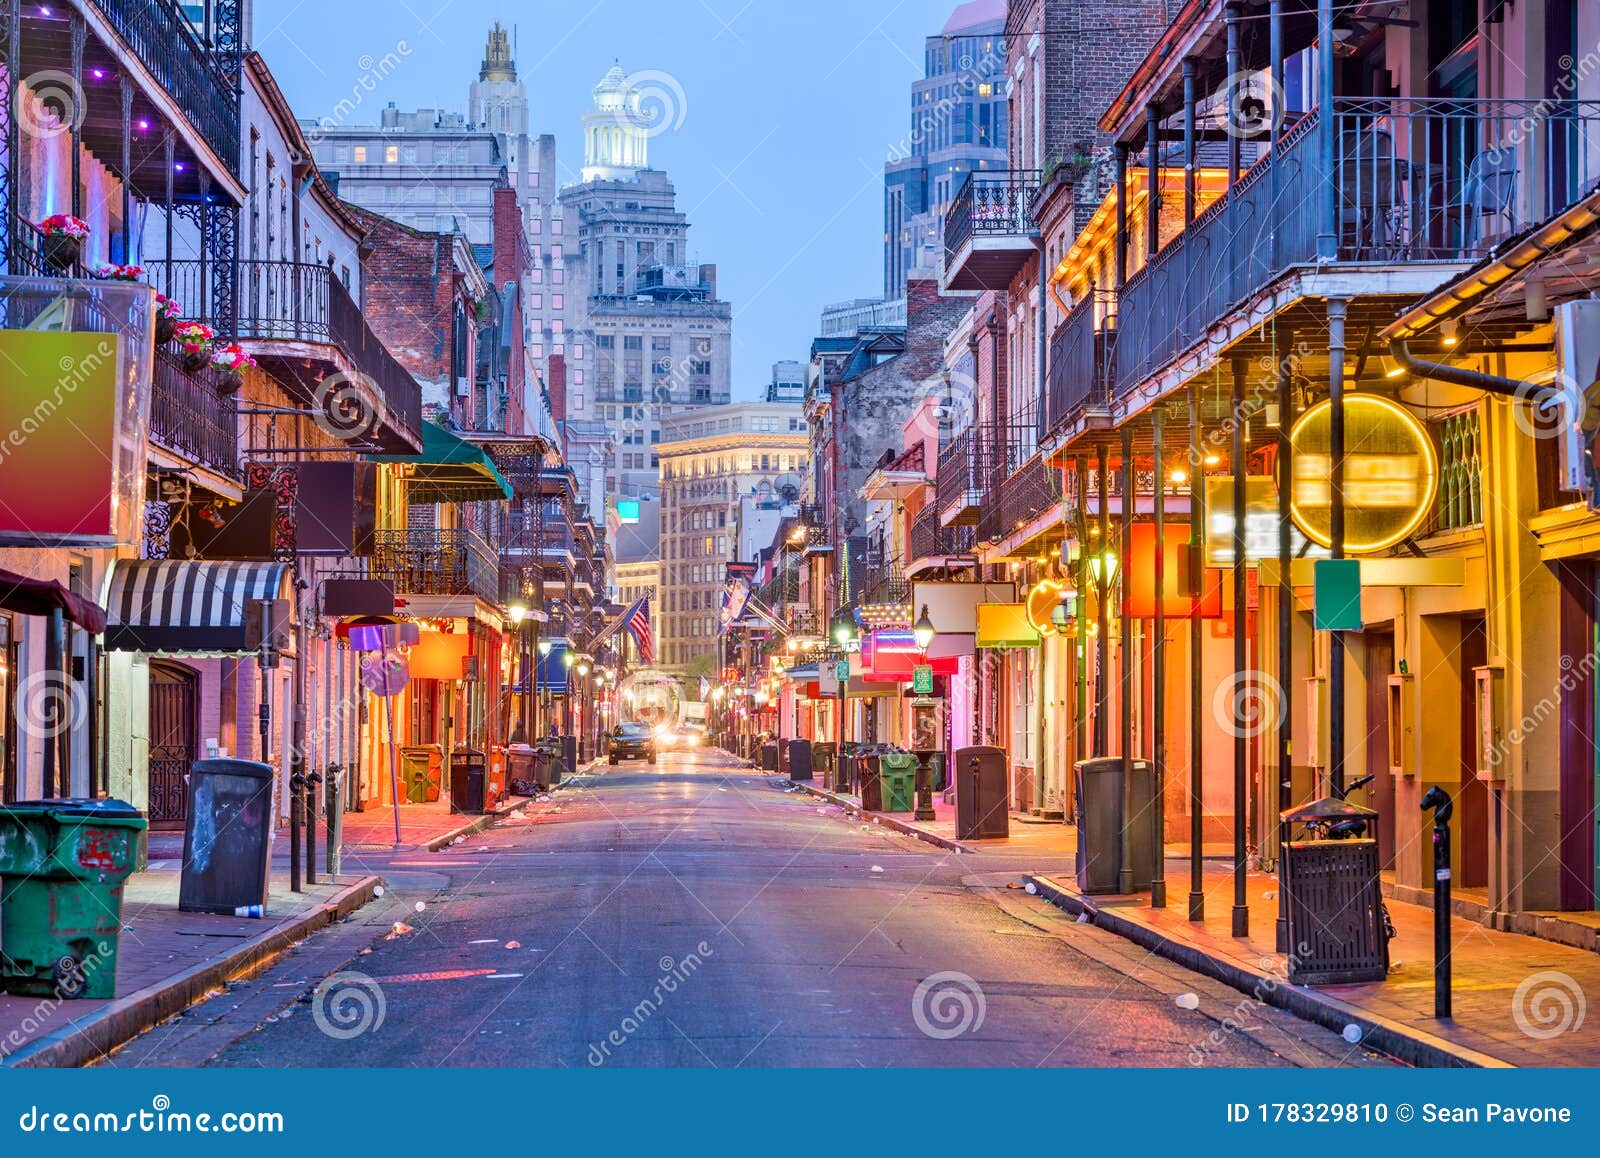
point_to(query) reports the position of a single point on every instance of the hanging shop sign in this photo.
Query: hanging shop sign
(1005, 625)
(1337, 595)
(1260, 523)
(1178, 588)
(953, 606)
(1391, 473)
(1043, 599)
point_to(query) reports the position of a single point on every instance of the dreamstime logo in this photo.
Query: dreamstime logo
(1548, 1004)
(1548, 409)
(51, 703)
(347, 1004)
(1247, 703)
(955, 394)
(348, 407)
(48, 104)
(1251, 104)
(658, 100)
(947, 1005)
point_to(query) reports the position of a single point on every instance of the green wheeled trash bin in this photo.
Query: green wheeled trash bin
(897, 775)
(62, 867)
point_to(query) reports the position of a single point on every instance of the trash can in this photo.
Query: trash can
(1334, 899)
(783, 756)
(936, 777)
(800, 759)
(897, 778)
(868, 783)
(769, 756)
(227, 839)
(1100, 797)
(568, 765)
(823, 760)
(468, 776)
(521, 768)
(982, 807)
(62, 867)
(421, 772)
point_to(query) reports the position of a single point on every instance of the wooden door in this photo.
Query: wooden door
(1472, 803)
(174, 740)
(1380, 665)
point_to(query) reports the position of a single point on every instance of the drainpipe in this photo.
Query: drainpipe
(1543, 396)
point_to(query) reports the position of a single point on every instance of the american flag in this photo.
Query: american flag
(636, 620)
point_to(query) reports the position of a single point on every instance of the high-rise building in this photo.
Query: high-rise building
(655, 339)
(788, 382)
(957, 125)
(711, 460)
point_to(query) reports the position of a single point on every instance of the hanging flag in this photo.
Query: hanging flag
(638, 626)
(735, 595)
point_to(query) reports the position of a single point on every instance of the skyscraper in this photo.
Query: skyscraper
(957, 124)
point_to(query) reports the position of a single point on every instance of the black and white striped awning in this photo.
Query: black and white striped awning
(187, 607)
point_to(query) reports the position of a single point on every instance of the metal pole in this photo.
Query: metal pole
(1189, 142)
(56, 718)
(1436, 799)
(1121, 240)
(1102, 698)
(1241, 744)
(1235, 59)
(1285, 370)
(1197, 522)
(335, 811)
(1337, 308)
(394, 754)
(1275, 53)
(1152, 168)
(1158, 676)
(1125, 656)
(1327, 144)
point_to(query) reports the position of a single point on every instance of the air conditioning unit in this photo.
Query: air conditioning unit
(1577, 334)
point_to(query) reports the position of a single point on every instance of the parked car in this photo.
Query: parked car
(631, 742)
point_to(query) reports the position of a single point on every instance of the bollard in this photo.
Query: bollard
(297, 783)
(1436, 799)
(313, 779)
(333, 810)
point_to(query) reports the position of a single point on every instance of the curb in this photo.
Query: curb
(884, 819)
(1404, 1043)
(476, 825)
(97, 1034)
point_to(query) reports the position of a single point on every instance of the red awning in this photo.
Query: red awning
(27, 596)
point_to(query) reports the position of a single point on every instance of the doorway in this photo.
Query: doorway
(174, 740)
(1472, 800)
(1380, 665)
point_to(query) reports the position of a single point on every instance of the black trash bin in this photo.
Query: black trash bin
(868, 783)
(783, 756)
(824, 760)
(769, 756)
(569, 761)
(467, 773)
(1100, 799)
(800, 757)
(1334, 898)
(983, 807)
(521, 769)
(227, 839)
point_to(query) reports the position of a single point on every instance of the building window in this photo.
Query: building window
(360, 154)
(391, 154)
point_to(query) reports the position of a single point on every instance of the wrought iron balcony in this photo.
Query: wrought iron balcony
(190, 419)
(1414, 180)
(1024, 493)
(301, 302)
(932, 544)
(957, 490)
(885, 582)
(1082, 361)
(988, 231)
(434, 562)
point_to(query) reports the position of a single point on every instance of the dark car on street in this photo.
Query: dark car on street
(632, 742)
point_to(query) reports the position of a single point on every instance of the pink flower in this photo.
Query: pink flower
(64, 223)
(232, 359)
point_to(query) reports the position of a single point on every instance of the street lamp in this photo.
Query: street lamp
(544, 648)
(844, 629)
(923, 631)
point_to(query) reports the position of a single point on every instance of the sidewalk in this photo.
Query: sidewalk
(168, 959)
(1518, 1000)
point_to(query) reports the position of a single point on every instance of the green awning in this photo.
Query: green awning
(449, 470)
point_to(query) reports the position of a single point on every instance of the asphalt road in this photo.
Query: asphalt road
(697, 913)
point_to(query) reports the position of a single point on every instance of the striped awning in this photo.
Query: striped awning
(187, 607)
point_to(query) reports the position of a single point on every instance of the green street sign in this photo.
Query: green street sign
(922, 680)
(841, 670)
(1337, 585)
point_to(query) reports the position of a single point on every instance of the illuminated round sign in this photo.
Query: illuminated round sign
(1391, 473)
(1042, 601)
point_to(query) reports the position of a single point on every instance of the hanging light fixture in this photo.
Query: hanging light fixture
(923, 630)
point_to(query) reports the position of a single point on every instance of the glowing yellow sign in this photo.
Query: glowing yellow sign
(1391, 474)
(1042, 600)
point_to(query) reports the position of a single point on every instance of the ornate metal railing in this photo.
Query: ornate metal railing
(1082, 353)
(189, 417)
(993, 204)
(1029, 490)
(433, 562)
(885, 582)
(931, 540)
(957, 491)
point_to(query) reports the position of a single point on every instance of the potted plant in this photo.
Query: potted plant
(230, 363)
(196, 339)
(169, 311)
(111, 271)
(63, 239)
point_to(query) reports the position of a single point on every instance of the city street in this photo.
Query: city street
(698, 913)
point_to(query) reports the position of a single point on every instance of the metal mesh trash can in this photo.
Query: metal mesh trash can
(823, 760)
(1334, 899)
(982, 807)
(468, 780)
(800, 759)
(1100, 796)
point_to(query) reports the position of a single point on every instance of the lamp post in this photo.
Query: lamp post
(844, 633)
(517, 613)
(1103, 567)
(923, 632)
(543, 647)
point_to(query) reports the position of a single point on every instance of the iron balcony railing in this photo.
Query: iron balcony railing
(189, 418)
(885, 582)
(1029, 490)
(931, 540)
(298, 301)
(990, 204)
(434, 562)
(163, 41)
(1082, 362)
(1413, 180)
(957, 493)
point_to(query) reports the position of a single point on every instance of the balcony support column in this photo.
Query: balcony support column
(1152, 169)
(167, 150)
(1285, 369)
(1189, 142)
(1235, 65)
(1275, 125)
(1122, 216)
(1158, 674)
(1081, 748)
(1241, 676)
(1197, 522)
(1327, 145)
(1337, 311)
(1125, 690)
(126, 86)
(78, 34)
(1102, 698)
